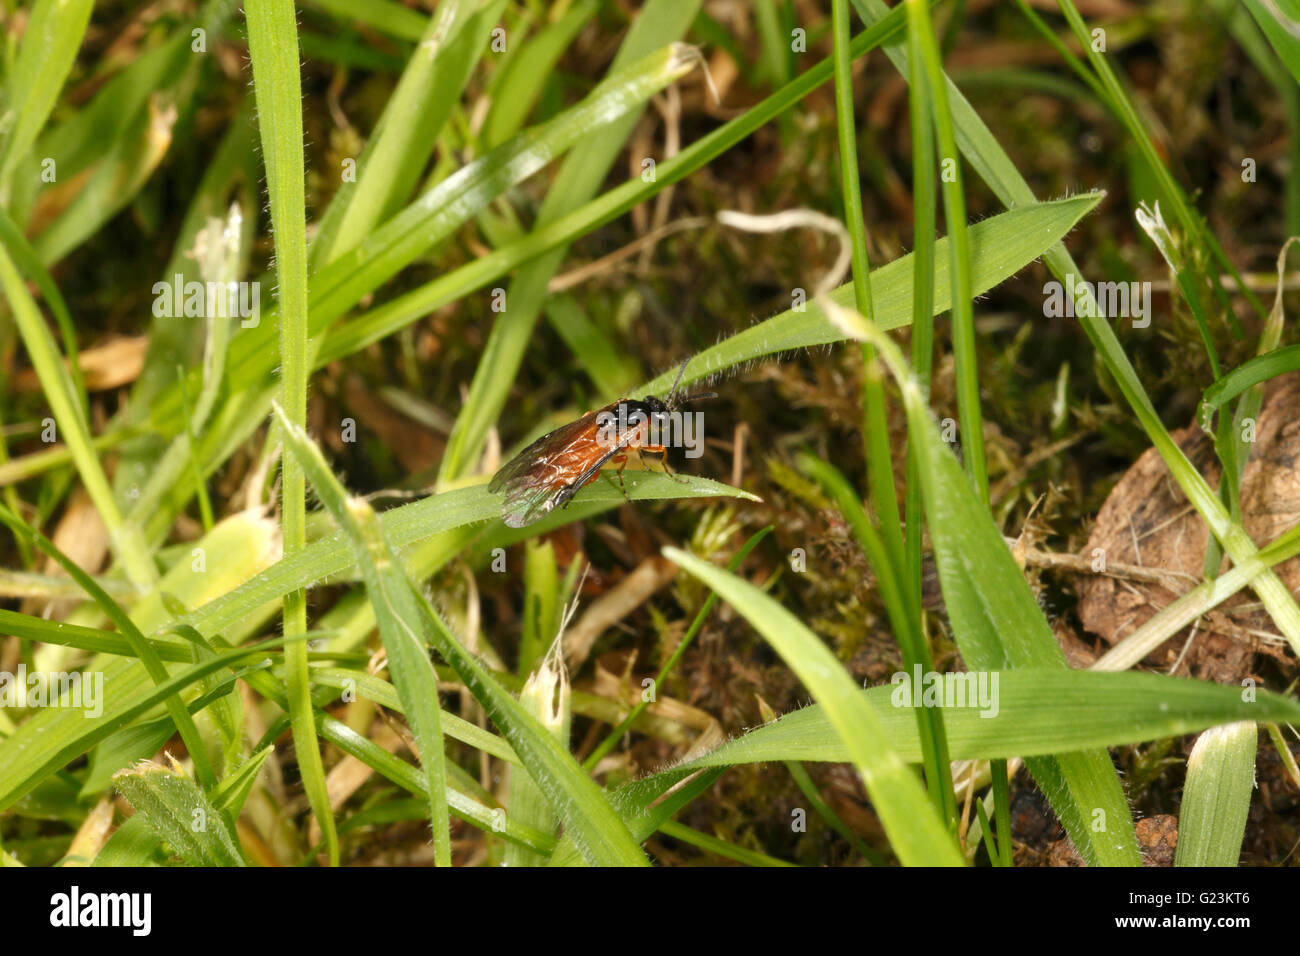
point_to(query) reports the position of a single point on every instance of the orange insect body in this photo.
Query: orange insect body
(550, 471)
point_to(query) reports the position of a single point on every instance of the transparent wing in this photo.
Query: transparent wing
(550, 471)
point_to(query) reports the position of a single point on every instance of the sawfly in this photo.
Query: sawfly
(550, 471)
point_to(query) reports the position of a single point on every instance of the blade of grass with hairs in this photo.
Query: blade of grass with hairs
(1216, 796)
(408, 129)
(46, 55)
(57, 385)
(996, 621)
(253, 355)
(991, 162)
(921, 35)
(277, 88)
(917, 833)
(546, 696)
(659, 22)
(397, 616)
(590, 822)
(1185, 213)
(174, 806)
(576, 799)
(1039, 712)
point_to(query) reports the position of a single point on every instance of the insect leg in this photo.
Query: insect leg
(660, 452)
(622, 463)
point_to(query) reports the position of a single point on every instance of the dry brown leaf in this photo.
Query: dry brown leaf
(1148, 521)
(113, 364)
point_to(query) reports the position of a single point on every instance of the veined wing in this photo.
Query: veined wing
(545, 474)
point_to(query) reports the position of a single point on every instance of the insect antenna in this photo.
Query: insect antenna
(693, 397)
(673, 401)
(677, 381)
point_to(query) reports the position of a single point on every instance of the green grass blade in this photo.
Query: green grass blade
(28, 761)
(24, 256)
(515, 90)
(659, 22)
(1216, 796)
(87, 638)
(612, 372)
(875, 423)
(60, 392)
(924, 212)
(386, 16)
(1000, 246)
(134, 843)
(543, 604)
(711, 844)
(181, 813)
(915, 830)
(389, 167)
(772, 39)
(921, 33)
(997, 622)
(1247, 375)
(277, 87)
(1034, 712)
(819, 806)
(993, 165)
(1283, 40)
(49, 48)
(589, 819)
(398, 617)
